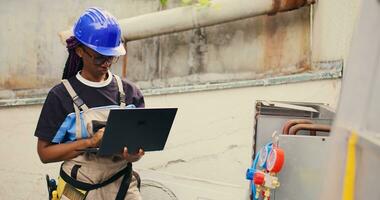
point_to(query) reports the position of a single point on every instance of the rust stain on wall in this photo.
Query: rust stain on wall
(287, 42)
(273, 44)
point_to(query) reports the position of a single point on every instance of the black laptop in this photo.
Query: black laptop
(145, 128)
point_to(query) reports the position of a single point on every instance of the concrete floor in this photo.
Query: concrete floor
(206, 155)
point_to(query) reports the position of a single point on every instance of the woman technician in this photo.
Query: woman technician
(89, 90)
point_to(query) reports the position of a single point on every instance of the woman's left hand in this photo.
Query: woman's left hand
(134, 156)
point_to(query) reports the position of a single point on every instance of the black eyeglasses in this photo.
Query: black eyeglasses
(98, 60)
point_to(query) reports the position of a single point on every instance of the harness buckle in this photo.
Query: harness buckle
(122, 97)
(78, 101)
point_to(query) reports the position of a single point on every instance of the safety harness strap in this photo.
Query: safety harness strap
(77, 104)
(127, 171)
(124, 186)
(121, 91)
(76, 99)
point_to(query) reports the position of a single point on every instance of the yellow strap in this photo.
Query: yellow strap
(61, 187)
(349, 177)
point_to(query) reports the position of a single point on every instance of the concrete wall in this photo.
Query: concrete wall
(246, 49)
(32, 58)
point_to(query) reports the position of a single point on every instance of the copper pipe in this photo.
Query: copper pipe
(311, 127)
(125, 62)
(293, 122)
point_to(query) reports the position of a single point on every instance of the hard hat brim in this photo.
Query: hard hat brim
(107, 51)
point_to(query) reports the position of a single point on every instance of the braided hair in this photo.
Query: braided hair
(74, 63)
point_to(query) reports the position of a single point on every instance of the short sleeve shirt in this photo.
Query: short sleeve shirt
(59, 104)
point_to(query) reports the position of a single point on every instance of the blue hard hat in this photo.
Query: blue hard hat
(99, 30)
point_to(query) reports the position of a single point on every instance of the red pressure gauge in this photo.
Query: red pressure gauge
(275, 160)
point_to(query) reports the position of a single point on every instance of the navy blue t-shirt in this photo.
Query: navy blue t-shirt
(58, 104)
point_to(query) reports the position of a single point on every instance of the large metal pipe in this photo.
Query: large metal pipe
(190, 17)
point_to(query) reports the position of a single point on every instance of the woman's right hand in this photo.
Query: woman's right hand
(50, 152)
(97, 138)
